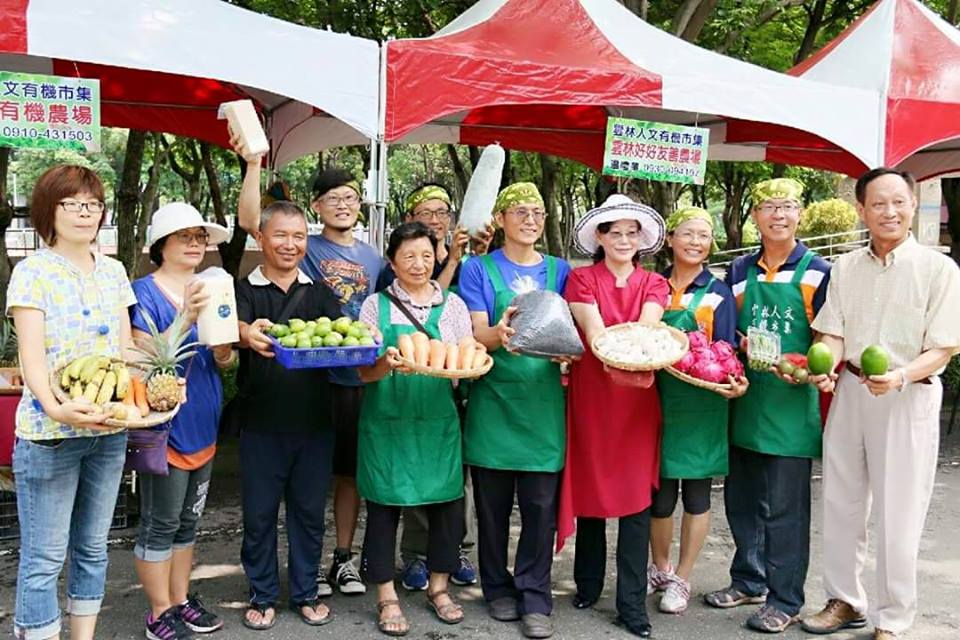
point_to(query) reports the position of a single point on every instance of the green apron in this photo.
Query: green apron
(516, 413)
(695, 421)
(409, 443)
(775, 417)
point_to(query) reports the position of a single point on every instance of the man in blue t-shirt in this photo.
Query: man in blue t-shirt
(350, 268)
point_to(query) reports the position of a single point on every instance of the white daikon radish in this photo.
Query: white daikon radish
(478, 201)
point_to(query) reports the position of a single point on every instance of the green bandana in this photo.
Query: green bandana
(777, 189)
(353, 184)
(686, 214)
(428, 192)
(518, 193)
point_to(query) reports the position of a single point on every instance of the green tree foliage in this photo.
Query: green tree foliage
(828, 217)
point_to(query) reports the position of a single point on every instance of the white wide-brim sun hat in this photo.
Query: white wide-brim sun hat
(178, 216)
(620, 207)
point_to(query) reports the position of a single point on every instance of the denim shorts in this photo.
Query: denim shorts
(66, 496)
(170, 508)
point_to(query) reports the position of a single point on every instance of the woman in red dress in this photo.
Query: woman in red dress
(613, 426)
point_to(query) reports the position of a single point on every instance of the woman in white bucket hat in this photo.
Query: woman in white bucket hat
(613, 430)
(171, 505)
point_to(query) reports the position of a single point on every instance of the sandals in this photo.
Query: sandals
(262, 608)
(297, 607)
(450, 613)
(397, 619)
(732, 597)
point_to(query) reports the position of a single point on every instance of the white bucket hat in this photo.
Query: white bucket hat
(177, 216)
(620, 207)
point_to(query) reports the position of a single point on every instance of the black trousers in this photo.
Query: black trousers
(295, 468)
(536, 493)
(767, 500)
(445, 530)
(590, 563)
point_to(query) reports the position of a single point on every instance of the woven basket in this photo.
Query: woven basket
(152, 419)
(678, 335)
(457, 374)
(697, 382)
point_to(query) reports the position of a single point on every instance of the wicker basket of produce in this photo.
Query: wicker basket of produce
(468, 359)
(697, 382)
(640, 346)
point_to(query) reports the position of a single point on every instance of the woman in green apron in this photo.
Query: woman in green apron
(775, 427)
(514, 436)
(694, 446)
(409, 433)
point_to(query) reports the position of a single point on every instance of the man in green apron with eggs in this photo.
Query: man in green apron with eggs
(775, 427)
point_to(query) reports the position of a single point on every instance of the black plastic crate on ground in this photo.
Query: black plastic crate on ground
(10, 524)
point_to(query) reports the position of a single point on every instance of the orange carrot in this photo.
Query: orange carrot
(140, 395)
(468, 347)
(405, 345)
(453, 357)
(479, 357)
(421, 348)
(438, 354)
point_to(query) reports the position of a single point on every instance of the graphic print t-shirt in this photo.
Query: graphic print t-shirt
(351, 273)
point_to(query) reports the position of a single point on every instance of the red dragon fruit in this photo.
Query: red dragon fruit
(709, 370)
(732, 366)
(697, 340)
(703, 354)
(686, 362)
(722, 350)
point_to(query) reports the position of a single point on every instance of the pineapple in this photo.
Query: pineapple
(160, 356)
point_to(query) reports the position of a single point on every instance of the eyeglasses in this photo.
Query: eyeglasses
(350, 200)
(690, 236)
(186, 237)
(522, 214)
(787, 207)
(617, 236)
(426, 216)
(72, 206)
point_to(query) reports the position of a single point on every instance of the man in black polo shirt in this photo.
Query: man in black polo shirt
(286, 445)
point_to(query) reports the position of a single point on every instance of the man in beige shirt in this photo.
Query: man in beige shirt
(882, 434)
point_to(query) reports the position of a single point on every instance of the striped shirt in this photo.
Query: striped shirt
(717, 312)
(813, 286)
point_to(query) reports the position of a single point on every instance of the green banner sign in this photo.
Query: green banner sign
(655, 151)
(49, 112)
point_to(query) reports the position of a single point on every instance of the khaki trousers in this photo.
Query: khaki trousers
(879, 452)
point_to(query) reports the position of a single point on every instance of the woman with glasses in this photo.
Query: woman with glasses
(514, 432)
(66, 302)
(171, 505)
(613, 420)
(694, 446)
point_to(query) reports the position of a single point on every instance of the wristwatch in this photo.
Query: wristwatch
(903, 378)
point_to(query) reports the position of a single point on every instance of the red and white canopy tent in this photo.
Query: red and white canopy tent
(911, 57)
(167, 65)
(544, 75)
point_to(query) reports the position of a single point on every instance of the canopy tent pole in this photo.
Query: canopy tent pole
(379, 174)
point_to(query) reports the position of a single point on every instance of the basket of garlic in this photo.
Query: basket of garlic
(640, 346)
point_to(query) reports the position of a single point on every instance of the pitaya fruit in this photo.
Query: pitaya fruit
(686, 362)
(723, 350)
(709, 370)
(732, 366)
(703, 354)
(697, 340)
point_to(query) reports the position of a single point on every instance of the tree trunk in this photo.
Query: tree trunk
(128, 202)
(548, 189)
(231, 252)
(810, 34)
(6, 218)
(458, 169)
(507, 177)
(951, 196)
(690, 19)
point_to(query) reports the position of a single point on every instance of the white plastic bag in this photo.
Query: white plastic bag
(481, 195)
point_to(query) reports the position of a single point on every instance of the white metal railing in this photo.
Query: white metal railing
(839, 243)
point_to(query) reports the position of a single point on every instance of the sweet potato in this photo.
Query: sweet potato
(421, 348)
(453, 357)
(468, 347)
(438, 354)
(405, 345)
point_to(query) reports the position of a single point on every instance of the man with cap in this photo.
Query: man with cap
(775, 431)
(882, 434)
(613, 429)
(350, 268)
(514, 434)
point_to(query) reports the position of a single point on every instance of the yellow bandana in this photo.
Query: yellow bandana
(777, 189)
(428, 192)
(686, 214)
(518, 193)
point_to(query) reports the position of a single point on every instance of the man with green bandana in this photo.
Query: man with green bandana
(775, 428)
(514, 437)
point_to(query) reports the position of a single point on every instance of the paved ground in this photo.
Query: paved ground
(219, 578)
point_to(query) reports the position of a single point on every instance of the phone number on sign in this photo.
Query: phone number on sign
(48, 134)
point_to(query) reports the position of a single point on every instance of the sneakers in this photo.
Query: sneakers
(197, 618)
(169, 626)
(676, 597)
(344, 574)
(657, 580)
(466, 574)
(324, 589)
(415, 576)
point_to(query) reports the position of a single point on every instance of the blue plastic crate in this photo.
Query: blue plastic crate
(325, 357)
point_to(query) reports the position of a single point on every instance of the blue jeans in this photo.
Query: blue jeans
(170, 508)
(66, 496)
(767, 500)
